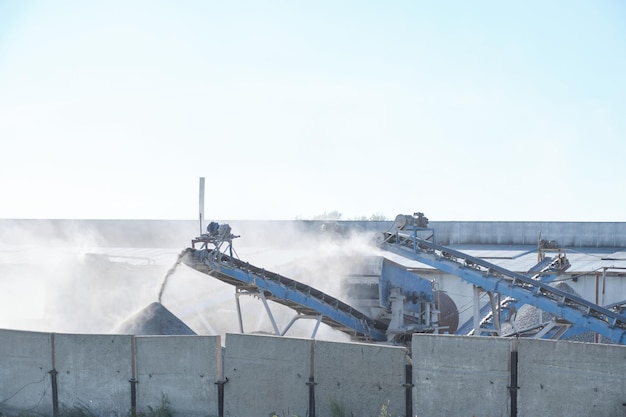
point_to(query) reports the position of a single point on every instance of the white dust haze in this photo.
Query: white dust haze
(67, 283)
(81, 282)
(316, 259)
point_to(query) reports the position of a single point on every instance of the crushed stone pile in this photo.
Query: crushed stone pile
(154, 320)
(529, 316)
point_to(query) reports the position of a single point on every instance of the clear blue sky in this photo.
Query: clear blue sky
(482, 110)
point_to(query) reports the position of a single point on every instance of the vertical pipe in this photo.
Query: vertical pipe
(603, 286)
(408, 390)
(269, 312)
(476, 306)
(513, 387)
(311, 383)
(133, 380)
(239, 311)
(201, 204)
(55, 392)
(436, 311)
(495, 313)
(220, 396)
(133, 397)
(220, 399)
(596, 336)
(53, 380)
(317, 326)
(601, 303)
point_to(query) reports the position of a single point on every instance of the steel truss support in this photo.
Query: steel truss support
(297, 317)
(260, 295)
(479, 329)
(255, 293)
(560, 327)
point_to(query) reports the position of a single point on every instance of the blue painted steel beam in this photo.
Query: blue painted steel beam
(539, 271)
(278, 288)
(394, 275)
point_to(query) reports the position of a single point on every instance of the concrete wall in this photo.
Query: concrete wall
(465, 376)
(94, 372)
(452, 375)
(185, 369)
(25, 359)
(460, 376)
(269, 374)
(361, 378)
(266, 375)
(571, 379)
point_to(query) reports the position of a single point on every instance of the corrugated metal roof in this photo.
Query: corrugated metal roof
(588, 262)
(621, 256)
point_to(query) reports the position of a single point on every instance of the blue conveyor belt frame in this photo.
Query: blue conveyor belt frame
(300, 297)
(490, 277)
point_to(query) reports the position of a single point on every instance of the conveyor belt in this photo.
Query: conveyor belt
(300, 297)
(490, 277)
(545, 274)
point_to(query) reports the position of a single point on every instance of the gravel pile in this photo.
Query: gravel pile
(529, 316)
(153, 320)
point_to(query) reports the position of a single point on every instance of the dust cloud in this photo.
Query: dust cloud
(66, 277)
(82, 282)
(321, 260)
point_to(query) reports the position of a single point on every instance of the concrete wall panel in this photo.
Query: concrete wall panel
(558, 378)
(25, 363)
(94, 372)
(359, 379)
(452, 375)
(460, 375)
(266, 374)
(182, 368)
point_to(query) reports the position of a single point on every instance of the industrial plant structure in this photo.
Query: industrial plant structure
(116, 298)
(389, 279)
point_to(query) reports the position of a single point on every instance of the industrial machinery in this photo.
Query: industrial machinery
(392, 306)
(405, 302)
(505, 288)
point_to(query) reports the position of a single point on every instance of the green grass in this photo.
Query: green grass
(335, 409)
(161, 411)
(83, 410)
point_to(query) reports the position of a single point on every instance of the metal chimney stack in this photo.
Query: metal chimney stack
(201, 203)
